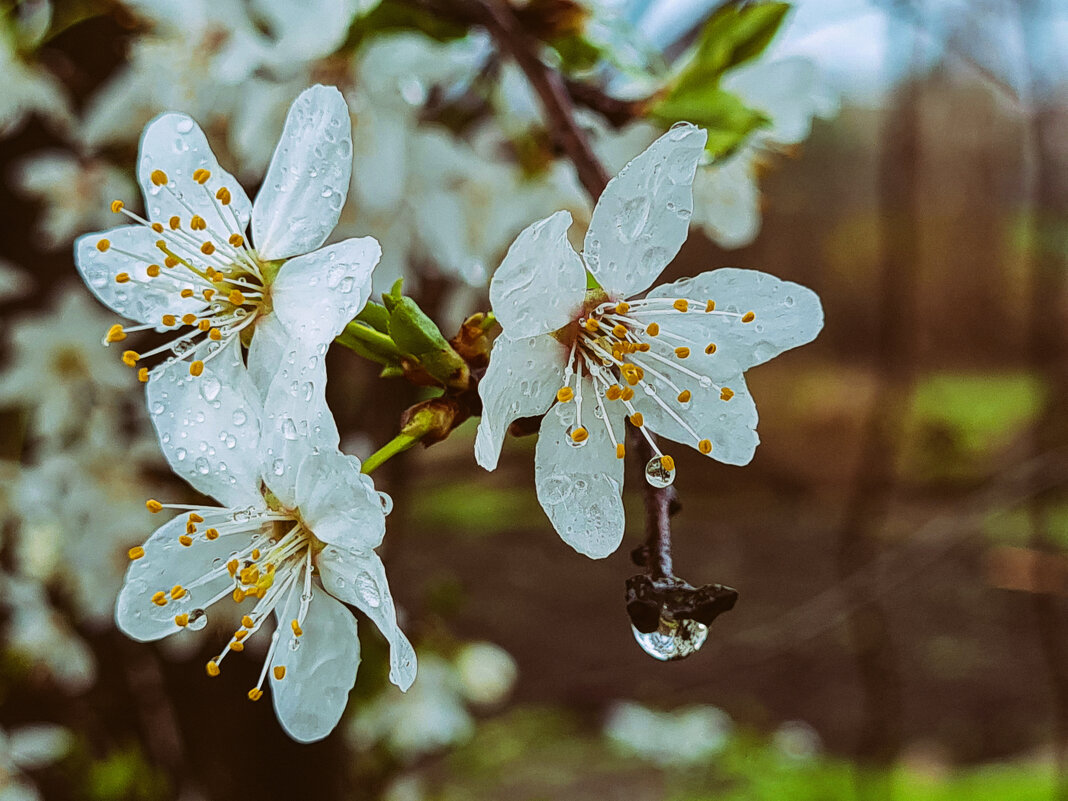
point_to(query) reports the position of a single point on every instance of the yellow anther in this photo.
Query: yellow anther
(122, 278)
(240, 634)
(684, 396)
(237, 645)
(136, 552)
(208, 294)
(705, 446)
(622, 308)
(619, 330)
(160, 598)
(644, 347)
(626, 394)
(169, 320)
(247, 622)
(726, 393)
(223, 196)
(207, 248)
(235, 297)
(232, 567)
(667, 462)
(153, 505)
(212, 668)
(175, 222)
(153, 270)
(632, 377)
(181, 620)
(710, 348)
(215, 334)
(130, 357)
(239, 595)
(186, 293)
(592, 325)
(197, 223)
(157, 227)
(710, 306)
(579, 434)
(201, 176)
(142, 375)
(158, 177)
(652, 329)
(170, 263)
(621, 451)
(103, 245)
(681, 304)
(255, 553)
(255, 694)
(297, 630)
(116, 334)
(195, 518)
(564, 394)
(236, 240)
(682, 353)
(212, 533)
(204, 325)
(177, 591)
(748, 317)
(189, 319)
(613, 392)
(186, 540)
(212, 273)
(116, 206)
(196, 368)
(637, 419)
(279, 672)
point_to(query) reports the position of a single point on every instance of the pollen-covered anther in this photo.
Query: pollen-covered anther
(619, 330)
(710, 306)
(247, 622)
(684, 396)
(564, 394)
(622, 308)
(237, 645)
(204, 325)
(705, 446)
(614, 392)
(682, 353)
(207, 248)
(177, 591)
(236, 240)
(196, 368)
(579, 434)
(212, 668)
(667, 462)
(621, 450)
(255, 694)
(197, 223)
(185, 540)
(160, 598)
(710, 348)
(122, 278)
(215, 334)
(158, 177)
(627, 394)
(748, 317)
(130, 357)
(637, 419)
(201, 176)
(142, 375)
(240, 634)
(157, 227)
(116, 206)
(232, 566)
(236, 298)
(239, 595)
(212, 534)
(186, 293)
(592, 325)
(170, 263)
(223, 196)
(195, 518)
(169, 320)
(175, 222)
(726, 393)
(297, 630)
(681, 305)
(652, 329)
(279, 672)
(116, 333)
(153, 270)
(103, 245)
(136, 552)
(181, 620)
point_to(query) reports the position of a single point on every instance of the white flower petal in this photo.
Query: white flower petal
(270, 341)
(730, 425)
(359, 578)
(580, 488)
(166, 563)
(209, 426)
(296, 420)
(541, 283)
(787, 314)
(521, 381)
(315, 296)
(727, 199)
(141, 298)
(320, 671)
(338, 503)
(642, 217)
(175, 144)
(305, 186)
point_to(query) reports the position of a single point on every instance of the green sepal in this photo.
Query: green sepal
(371, 344)
(417, 334)
(729, 122)
(375, 315)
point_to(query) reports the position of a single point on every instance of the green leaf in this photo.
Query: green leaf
(728, 121)
(417, 334)
(395, 17)
(375, 315)
(577, 53)
(371, 344)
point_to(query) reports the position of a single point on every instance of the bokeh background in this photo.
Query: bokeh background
(898, 542)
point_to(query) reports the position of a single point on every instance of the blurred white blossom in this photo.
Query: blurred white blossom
(686, 736)
(29, 88)
(28, 748)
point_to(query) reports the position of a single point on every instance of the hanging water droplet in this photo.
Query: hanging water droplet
(202, 466)
(660, 471)
(672, 639)
(198, 619)
(387, 503)
(368, 590)
(210, 387)
(289, 430)
(278, 467)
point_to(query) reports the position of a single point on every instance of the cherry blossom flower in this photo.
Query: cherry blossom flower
(189, 268)
(293, 536)
(591, 359)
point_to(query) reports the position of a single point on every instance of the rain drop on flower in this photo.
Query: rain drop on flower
(387, 503)
(659, 474)
(289, 431)
(210, 387)
(198, 619)
(672, 639)
(368, 590)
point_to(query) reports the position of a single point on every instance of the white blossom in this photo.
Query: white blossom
(687, 736)
(189, 268)
(670, 363)
(29, 88)
(294, 534)
(29, 748)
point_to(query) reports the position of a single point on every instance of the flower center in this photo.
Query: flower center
(621, 346)
(215, 279)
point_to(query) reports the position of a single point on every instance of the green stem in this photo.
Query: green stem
(398, 444)
(357, 334)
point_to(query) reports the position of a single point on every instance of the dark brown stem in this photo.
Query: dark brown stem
(659, 506)
(617, 112)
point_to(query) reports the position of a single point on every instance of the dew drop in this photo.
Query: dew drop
(705, 381)
(210, 387)
(202, 466)
(278, 467)
(657, 474)
(184, 126)
(198, 619)
(672, 639)
(289, 431)
(179, 454)
(239, 417)
(157, 408)
(368, 590)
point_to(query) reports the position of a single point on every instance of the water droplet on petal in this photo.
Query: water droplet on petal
(239, 417)
(289, 431)
(179, 454)
(210, 387)
(672, 639)
(278, 467)
(658, 474)
(368, 590)
(202, 466)
(198, 619)
(184, 125)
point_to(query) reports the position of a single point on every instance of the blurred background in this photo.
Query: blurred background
(898, 542)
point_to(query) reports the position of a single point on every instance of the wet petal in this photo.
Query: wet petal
(338, 502)
(359, 578)
(174, 144)
(320, 666)
(521, 381)
(730, 425)
(727, 200)
(209, 426)
(296, 421)
(786, 314)
(315, 296)
(270, 341)
(141, 298)
(580, 487)
(166, 563)
(642, 217)
(305, 186)
(541, 283)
